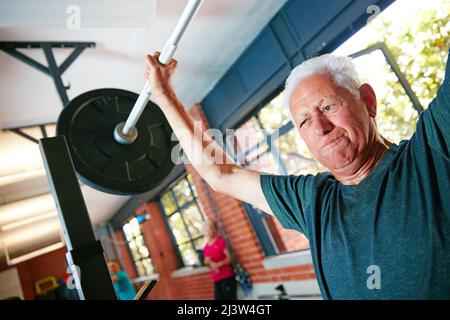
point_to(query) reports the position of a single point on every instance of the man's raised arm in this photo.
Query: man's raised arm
(212, 163)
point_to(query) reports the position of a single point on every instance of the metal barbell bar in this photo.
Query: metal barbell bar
(126, 132)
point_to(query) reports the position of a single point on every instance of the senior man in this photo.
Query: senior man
(378, 222)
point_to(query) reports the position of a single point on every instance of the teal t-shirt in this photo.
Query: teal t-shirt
(124, 288)
(389, 236)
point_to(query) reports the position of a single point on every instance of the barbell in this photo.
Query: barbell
(120, 142)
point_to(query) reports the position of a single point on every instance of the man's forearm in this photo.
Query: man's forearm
(207, 157)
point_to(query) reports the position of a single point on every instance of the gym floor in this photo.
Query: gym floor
(155, 233)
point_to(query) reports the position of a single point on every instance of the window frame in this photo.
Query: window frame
(180, 209)
(133, 238)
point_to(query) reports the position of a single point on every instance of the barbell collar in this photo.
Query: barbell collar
(123, 138)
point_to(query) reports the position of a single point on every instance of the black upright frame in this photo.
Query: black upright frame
(85, 254)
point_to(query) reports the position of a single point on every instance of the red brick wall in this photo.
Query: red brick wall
(49, 264)
(163, 255)
(128, 263)
(198, 287)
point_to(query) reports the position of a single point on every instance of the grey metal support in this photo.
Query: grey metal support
(43, 131)
(71, 58)
(52, 70)
(85, 254)
(32, 63)
(23, 134)
(55, 73)
(27, 136)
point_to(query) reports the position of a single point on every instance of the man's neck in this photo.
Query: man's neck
(375, 152)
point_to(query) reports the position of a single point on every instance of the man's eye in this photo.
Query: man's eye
(304, 122)
(328, 108)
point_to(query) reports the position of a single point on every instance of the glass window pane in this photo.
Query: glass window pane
(168, 203)
(263, 162)
(247, 136)
(127, 231)
(200, 243)
(138, 247)
(194, 189)
(148, 266)
(140, 269)
(295, 155)
(273, 115)
(135, 227)
(193, 220)
(178, 228)
(396, 116)
(143, 251)
(188, 254)
(140, 241)
(135, 253)
(182, 192)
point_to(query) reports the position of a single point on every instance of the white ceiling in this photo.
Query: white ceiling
(216, 37)
(124, 31)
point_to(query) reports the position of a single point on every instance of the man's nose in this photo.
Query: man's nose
(322, 125)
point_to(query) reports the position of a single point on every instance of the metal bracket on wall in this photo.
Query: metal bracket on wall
(20, 132)
(52, 70)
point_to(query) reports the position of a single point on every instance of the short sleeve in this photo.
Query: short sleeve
(289, 197)
(121, 275)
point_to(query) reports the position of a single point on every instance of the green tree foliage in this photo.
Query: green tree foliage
(418, 37)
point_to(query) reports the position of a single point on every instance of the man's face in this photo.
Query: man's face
(334, 125)
(113, 267)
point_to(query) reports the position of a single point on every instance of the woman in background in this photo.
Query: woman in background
(217, 258)
(122, 283)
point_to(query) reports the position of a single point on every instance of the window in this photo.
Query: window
(268, 142)
(387, 55)
(184, 217)
(138, 247)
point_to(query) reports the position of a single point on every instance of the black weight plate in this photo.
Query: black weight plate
(88, 123)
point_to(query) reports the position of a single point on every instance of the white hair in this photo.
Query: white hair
(341, 69)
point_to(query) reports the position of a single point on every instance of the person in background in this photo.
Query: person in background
(122, 283)
(217, 258)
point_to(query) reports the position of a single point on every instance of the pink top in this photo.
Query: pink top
(215, 251)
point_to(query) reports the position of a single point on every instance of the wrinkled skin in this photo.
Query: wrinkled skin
(338, 128)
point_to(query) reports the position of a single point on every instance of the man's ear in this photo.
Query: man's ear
(369, 98)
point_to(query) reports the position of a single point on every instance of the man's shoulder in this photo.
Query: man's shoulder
(302, 186)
